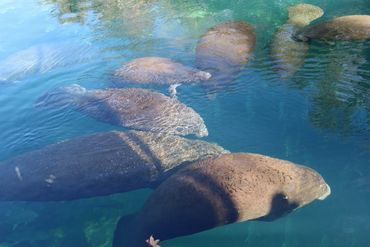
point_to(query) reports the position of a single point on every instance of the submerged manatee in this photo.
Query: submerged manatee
(224, 49)
(40, 59)
(287, 53)
(218, 191)
(135, 108)
(351, 27)
(99, 164)
(158, 70)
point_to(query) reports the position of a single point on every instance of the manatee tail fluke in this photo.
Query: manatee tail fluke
(63, 96)
(303, 14)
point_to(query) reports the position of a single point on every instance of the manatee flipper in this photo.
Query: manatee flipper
(280, 206)
(62, 96)
(172, 90)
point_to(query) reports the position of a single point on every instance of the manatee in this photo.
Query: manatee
(288, 54)
(351, 27)
(158, 70)
(40, 59)
(217, 191)
(98, 164)
(224, 49)
(134, 108)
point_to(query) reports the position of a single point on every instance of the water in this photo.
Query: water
(319, 117)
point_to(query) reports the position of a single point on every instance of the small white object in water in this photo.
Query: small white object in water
(172, 89)
(50, 179)
(18, 172)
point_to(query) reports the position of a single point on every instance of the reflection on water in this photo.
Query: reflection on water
(339, 86)
(319, 117)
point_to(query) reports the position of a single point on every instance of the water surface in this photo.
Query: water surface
(319, 117)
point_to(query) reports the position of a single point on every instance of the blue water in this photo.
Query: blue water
(320, 117)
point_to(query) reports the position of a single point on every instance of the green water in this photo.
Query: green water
(319, 117)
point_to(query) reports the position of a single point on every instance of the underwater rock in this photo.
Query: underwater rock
(218, 191)
(351, 27)
(158, 70)
(40, 59)
(289, 54)
(135, 108)
(224, 49)
(99, 164)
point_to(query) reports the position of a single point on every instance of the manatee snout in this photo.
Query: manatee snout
(311, 186)
(323, 189)
(326, 191)
(203, 131)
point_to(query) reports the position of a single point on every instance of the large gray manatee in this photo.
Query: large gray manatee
(218, 191)
(224, 49)
(135, 108)
(98, 164)
(289, 54)
(351, 27)
(158, 70)
(40, 59)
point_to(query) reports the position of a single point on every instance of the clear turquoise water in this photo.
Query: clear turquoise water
(319, 118)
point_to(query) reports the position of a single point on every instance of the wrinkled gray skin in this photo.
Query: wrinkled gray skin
(352, 27)
(99, 164)
(287, 53)
(43, 58)
(224, 49)
(157, 70)
(218, 191)
(135, 108)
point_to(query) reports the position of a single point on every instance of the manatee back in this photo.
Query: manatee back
(223, 190)
(158, 70)
(229, 43)
(354, 27)
(99, 164)
(143, 109)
